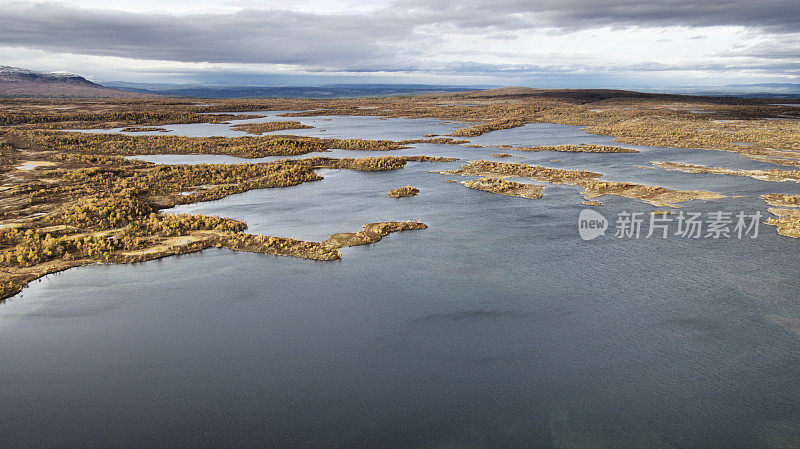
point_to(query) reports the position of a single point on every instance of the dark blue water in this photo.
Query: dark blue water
(495, 327)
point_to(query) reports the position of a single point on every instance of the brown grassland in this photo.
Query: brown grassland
(78, 201)
(69, 199)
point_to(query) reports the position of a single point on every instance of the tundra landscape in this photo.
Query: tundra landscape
(78, 188)
(400, 224)
(70, 198)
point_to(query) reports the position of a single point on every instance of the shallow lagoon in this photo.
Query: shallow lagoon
(496, 326)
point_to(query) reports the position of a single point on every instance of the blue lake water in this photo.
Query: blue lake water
(495, 327)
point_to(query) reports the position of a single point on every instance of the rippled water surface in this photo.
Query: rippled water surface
(495, 327)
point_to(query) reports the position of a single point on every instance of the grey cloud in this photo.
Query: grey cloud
(399, 38)
(502, 36)
(472, 68)
(784, 47)
(772, 15)
(249, 36)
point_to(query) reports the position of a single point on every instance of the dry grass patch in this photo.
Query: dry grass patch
(773, 175)
(402, 192)
(503, 187)
(786, 220)
(371, 233)
(577, 149)
(593, 188)
(266, 127)
(781, 200)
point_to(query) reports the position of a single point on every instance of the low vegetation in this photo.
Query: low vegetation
(327, 250)
(436, 140)
(577, 149)
(593, 188)
(43, 118)
(773, 175)
(367, 163)
(261, 128)
(143, 129)
(247, 147)
(781, 200)
(371, 233)
(69, 199)
(33, 254)
(657, 196)
(82, 202)
(786, 220)
(484, 128)
(493, 169)
(502, 187)
(402, 192)
(744, 126)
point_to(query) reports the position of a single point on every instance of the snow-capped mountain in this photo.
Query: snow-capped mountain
(19, 82)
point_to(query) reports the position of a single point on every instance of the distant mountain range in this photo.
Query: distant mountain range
(17, 82)
(327, 91)
(760, 90)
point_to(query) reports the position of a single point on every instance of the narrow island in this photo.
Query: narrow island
(143, 129)
(490, 126)
(593, 187)
(772, 175)
(583, 148)
(266, 127)
(503, 187)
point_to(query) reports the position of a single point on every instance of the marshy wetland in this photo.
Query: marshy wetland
(293, 315)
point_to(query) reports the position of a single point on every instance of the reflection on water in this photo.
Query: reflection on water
(495, 327)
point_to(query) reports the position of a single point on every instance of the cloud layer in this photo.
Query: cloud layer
(469, 38)
(774, 15)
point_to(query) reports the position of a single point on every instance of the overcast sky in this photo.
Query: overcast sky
(546, 43)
